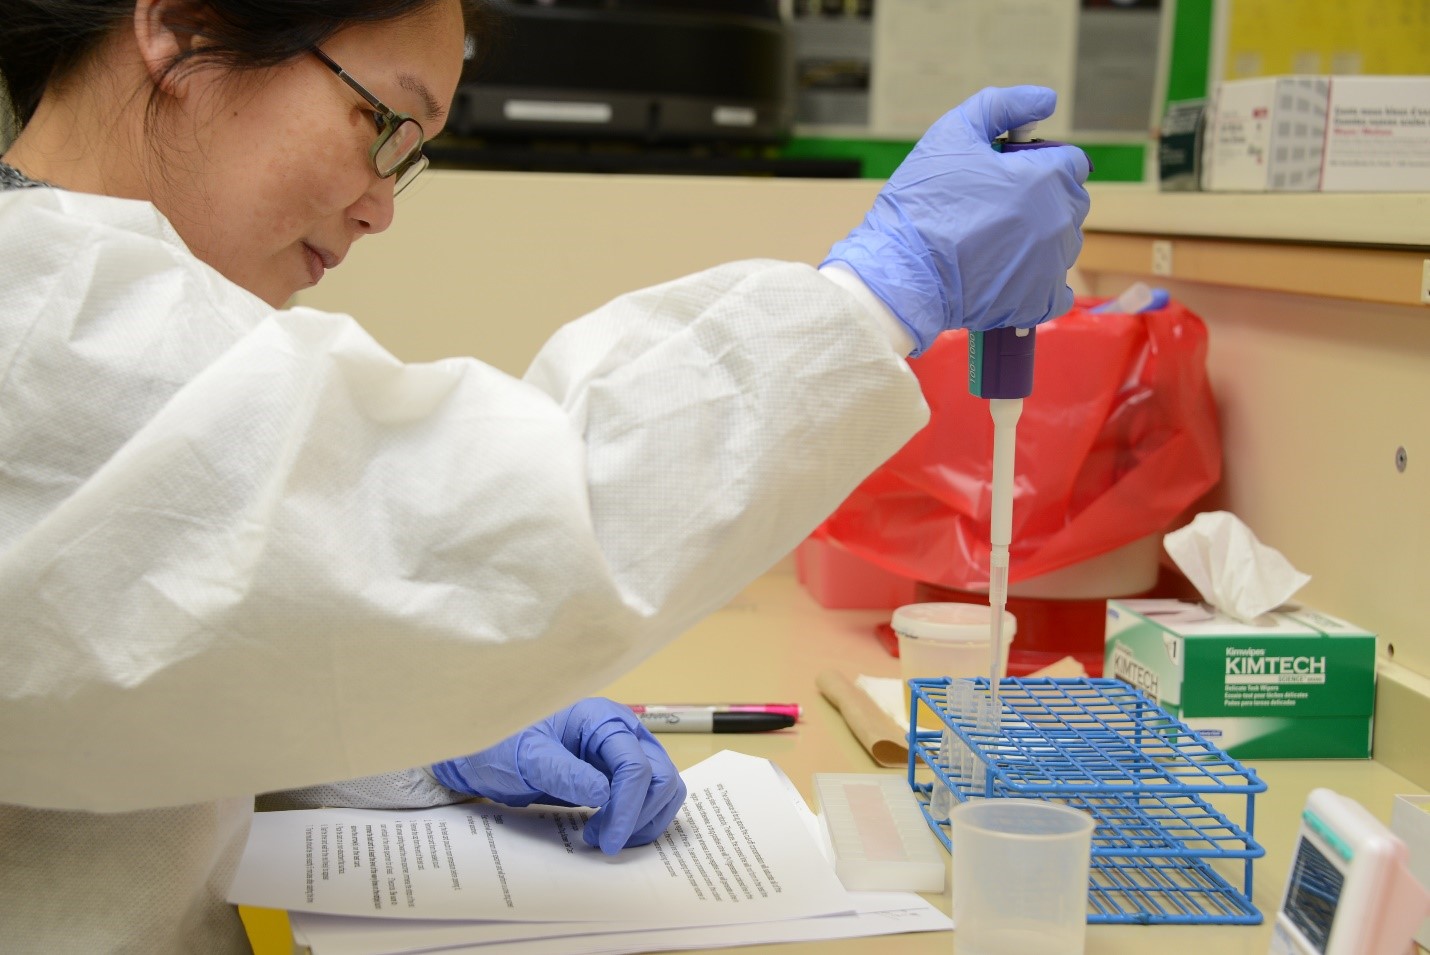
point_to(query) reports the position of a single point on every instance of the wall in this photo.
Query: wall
(1315, 395)
(489, 264)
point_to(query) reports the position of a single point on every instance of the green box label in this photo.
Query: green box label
(1310, 676)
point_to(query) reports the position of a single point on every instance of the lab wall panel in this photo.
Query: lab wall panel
(1315, 394)
(1315, 397)
(490, 264)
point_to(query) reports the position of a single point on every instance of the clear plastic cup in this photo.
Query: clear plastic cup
(946, 639)
(1020, 877)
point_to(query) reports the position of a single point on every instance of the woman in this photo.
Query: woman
(243, 549)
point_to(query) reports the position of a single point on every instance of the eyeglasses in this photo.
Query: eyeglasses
(398, 148)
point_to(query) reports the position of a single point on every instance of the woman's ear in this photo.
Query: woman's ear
(163, 31)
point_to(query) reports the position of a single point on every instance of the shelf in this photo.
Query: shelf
(1388, 275)
(1377, 219)
(1362, 247)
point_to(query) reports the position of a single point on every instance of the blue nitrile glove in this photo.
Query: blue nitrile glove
(594, 753)
(963, 236)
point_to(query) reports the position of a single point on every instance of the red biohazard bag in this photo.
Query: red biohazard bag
(1117, 439)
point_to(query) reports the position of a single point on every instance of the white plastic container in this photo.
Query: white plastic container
(1020, 877)
(946, 639)
(877, 833)
(1410, 820)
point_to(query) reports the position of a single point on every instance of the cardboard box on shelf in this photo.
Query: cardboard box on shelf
(1319, 133)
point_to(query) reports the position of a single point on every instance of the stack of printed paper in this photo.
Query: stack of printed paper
(741, 864)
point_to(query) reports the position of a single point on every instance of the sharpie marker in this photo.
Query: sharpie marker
(697, 721)
(791, 710)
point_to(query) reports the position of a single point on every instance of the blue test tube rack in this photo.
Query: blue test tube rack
(1101, 746)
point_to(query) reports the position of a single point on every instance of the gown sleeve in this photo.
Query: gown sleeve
(308, 561)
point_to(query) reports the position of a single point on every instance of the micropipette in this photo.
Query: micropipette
(1000, 368)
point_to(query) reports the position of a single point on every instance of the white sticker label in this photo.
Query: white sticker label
(734, 116)
(556, 111)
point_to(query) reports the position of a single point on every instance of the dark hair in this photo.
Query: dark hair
(43, 40)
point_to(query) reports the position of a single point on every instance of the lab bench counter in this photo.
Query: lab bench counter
(771, 641)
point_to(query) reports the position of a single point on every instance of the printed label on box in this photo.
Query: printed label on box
(1379, 135)
(1139, 657)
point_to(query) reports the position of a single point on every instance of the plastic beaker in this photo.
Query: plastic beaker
(946, 639)
(1020, 877)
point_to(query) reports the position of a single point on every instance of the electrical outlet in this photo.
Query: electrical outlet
(1162, 257)
(1425, 282)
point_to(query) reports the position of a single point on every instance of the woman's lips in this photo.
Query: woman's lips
(319, 261)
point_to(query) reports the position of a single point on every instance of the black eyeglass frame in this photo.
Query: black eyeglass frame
(392, 122)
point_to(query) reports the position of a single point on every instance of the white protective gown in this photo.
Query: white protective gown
(246, 550)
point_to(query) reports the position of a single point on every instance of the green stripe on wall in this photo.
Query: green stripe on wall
(1112, 162)
(1116, 162)
(879, 156)
(1187, 74)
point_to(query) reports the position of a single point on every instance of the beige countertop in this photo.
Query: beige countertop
(772, 640)
(768, 645)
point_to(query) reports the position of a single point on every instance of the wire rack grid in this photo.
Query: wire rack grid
(1101, 746)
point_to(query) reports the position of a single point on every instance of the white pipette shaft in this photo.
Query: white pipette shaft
(1005, 412)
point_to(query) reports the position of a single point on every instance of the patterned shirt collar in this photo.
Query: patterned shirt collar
(12, 178)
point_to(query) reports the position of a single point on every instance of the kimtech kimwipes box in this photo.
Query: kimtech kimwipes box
(1295, 685)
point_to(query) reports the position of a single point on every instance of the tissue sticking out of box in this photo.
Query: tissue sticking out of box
(1233, 571)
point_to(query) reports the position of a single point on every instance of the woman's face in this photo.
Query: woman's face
(277, 182)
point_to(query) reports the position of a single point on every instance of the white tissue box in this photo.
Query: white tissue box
(1297, 685)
